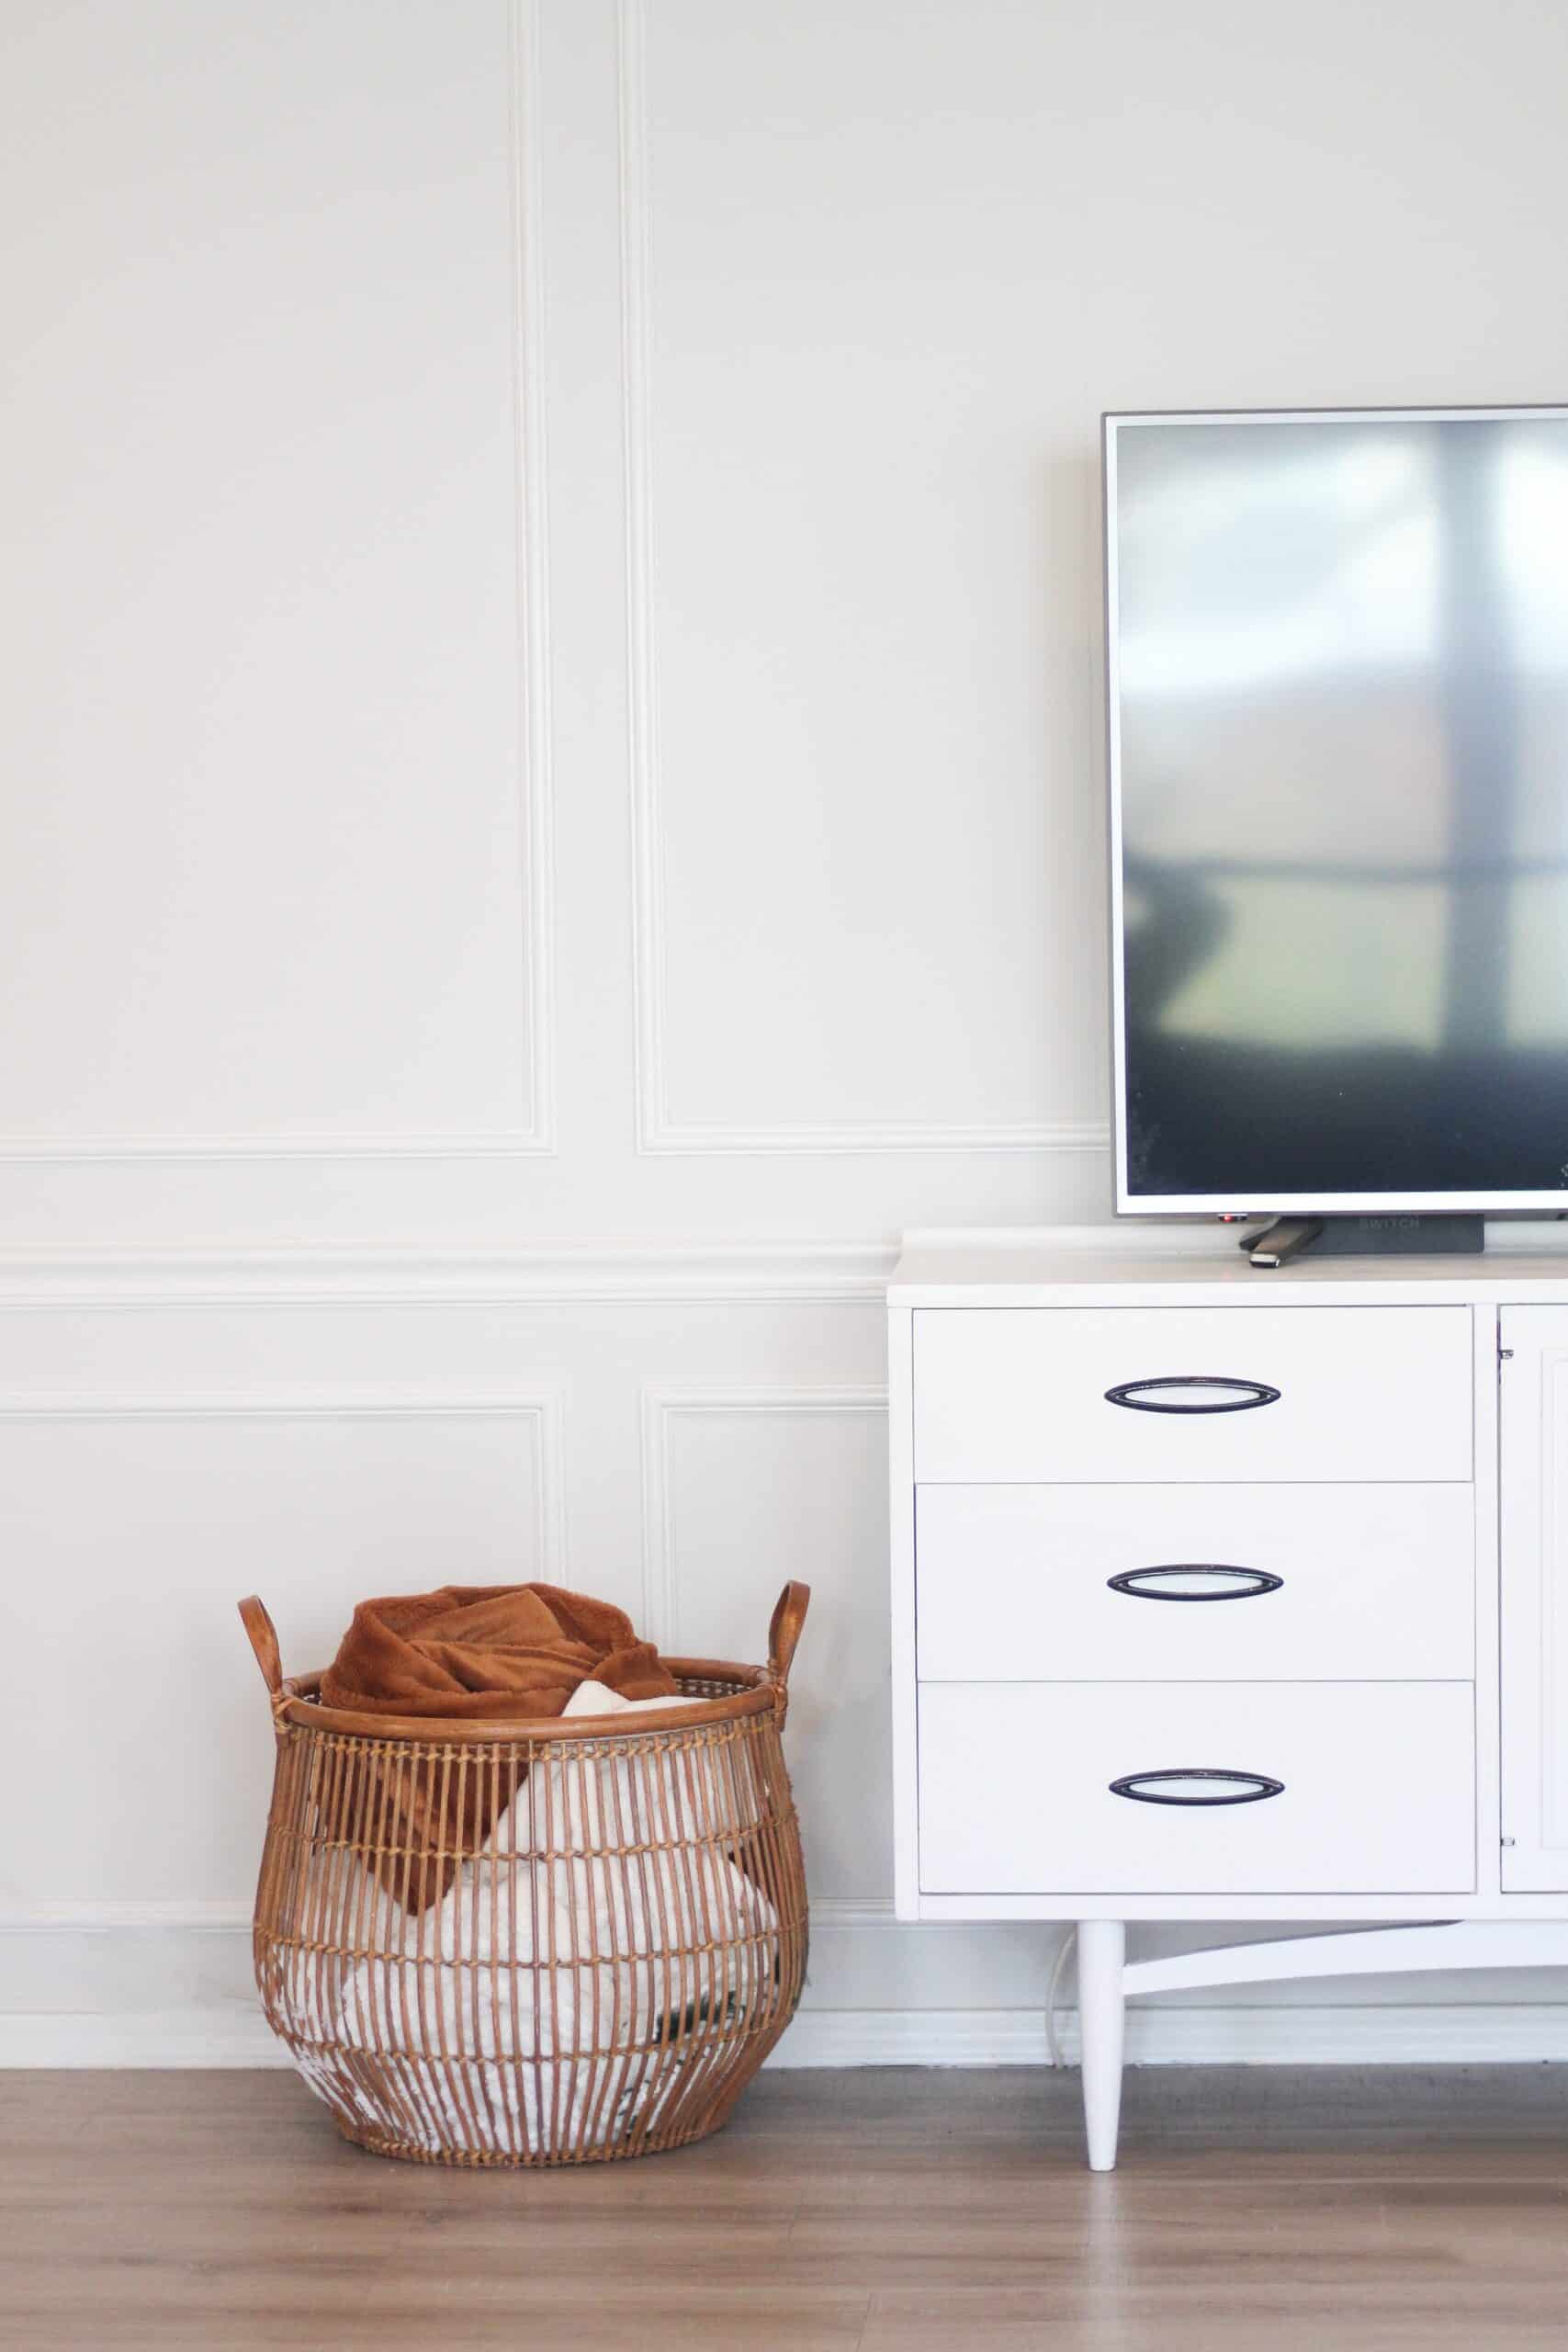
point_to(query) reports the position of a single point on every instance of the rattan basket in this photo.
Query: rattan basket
(588, 1956)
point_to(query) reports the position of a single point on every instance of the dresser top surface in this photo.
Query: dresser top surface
(1525, 1264)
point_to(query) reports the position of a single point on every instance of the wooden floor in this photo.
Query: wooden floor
(1258, 2211)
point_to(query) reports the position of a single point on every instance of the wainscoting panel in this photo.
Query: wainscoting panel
(750, 1486)
(683, 1453)
(830, 760)
(137, 1737)
(278, 674)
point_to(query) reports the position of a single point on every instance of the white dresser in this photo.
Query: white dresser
(1220, 1594)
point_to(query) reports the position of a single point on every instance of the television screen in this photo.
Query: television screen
(1338, 666)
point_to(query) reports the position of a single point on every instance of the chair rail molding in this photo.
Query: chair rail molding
(664, 1402)
(657, 1132)
(534, 790)
(848, 1271)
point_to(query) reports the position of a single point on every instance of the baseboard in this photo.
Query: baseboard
(169, 1984)
(1421, 2035)
(164, 2038)
(1527, 2033)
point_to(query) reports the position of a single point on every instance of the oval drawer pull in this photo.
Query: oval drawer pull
(1237, 1584)
(1239, 1397)
(1219, 1788)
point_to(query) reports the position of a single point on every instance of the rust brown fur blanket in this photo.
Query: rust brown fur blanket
(488, 1652)
(474, 1654)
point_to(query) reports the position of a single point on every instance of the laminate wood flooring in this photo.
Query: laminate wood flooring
(1257, 2209)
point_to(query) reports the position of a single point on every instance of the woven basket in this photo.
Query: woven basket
(595, 1967)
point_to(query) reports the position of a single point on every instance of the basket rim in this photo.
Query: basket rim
(298, 1703)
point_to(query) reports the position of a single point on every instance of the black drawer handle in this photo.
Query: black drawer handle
(1246, 1788)
(1150, 1584)
(1244, 1397)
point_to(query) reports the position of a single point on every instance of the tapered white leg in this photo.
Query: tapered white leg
(1102, 1948)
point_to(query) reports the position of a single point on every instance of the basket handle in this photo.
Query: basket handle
(783, 1633)
(264, 1641)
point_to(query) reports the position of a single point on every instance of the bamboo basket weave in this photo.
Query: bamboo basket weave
(588, 1956)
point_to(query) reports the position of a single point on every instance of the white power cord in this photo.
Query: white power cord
(1065, 1946)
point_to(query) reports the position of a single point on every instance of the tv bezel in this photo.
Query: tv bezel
(1240, 1204)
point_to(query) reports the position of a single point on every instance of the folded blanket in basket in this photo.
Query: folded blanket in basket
(487, 1654)
(474, 1654)
(604, 1921)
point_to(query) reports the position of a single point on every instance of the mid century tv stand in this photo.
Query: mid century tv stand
(1360, 1469)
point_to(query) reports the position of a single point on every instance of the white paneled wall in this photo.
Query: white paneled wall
(745, 1487)
(151, 1509)
(552, 723)
(280, 881)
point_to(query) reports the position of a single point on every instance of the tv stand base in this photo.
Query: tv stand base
(1107, 1979)
(1365, 1237)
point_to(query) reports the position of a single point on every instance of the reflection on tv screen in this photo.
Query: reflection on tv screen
(1341, 700)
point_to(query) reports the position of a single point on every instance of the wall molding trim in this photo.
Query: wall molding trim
(664, 1402)
(537, 1401)
(535, 779)
(203, 1949)
(172, 1915)
(500, 1143)
(890, 1137)
(657, 1132)
(534, 789)
(845, 1271)
(1447, 2033)
(612, 1270)
(642, 711)
(234, 2033)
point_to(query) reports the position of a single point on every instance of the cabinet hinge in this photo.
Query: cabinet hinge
(1507, 1842)
(1505, 1355)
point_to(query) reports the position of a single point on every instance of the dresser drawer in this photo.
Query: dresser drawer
(1356, 1788)
(1241, 1583)
(1180, 1394)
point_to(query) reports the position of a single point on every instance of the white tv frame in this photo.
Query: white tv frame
(1129, 1203)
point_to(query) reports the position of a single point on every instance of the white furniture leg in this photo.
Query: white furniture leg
(1102, 1948)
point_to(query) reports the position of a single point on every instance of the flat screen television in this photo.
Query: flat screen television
(1338, 748)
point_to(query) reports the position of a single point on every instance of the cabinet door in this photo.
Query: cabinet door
(1533, 1440)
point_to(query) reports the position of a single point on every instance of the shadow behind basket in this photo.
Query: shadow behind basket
(608, 1953)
